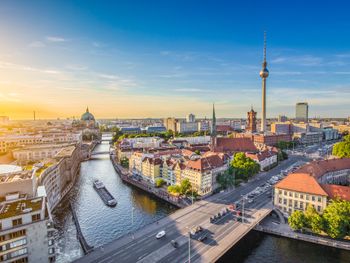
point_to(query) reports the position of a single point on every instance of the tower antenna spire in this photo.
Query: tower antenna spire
(264, 46)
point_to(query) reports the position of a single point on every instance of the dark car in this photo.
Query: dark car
(174, 243)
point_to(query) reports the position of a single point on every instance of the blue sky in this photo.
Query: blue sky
(169, 58)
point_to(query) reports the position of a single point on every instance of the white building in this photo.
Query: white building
(191, 118)
(186, 127)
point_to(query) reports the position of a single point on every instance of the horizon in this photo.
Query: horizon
(139, 61)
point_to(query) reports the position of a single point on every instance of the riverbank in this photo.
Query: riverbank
(270, 226)
(158, 192)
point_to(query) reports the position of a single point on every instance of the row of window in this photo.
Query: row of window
(300, 196)
(14, 254)
(13, 244)
(13, 235)
(297, 204)
(18, 221)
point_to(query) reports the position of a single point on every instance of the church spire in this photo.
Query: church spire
(213, 125)
(87, 108)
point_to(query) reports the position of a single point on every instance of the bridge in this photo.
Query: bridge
(142, 246)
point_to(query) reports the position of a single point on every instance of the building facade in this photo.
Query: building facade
(302, 111)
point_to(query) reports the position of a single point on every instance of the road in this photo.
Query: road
(142, 246)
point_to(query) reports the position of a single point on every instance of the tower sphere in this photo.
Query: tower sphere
(264, 73)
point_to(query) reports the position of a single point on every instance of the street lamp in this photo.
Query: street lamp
(132, 221)
(189, 244)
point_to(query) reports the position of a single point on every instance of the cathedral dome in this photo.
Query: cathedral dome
(87, 116)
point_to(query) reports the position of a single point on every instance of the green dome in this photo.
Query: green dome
(87, 116)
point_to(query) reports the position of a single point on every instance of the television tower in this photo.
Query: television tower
(264, 73)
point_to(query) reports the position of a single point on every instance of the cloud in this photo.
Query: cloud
(306, 60)
(55, 39)
(98, 44)
(8, 65)
(165, 52)
(37, 44)
(77, 67)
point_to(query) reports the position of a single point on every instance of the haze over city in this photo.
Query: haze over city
(164, 59)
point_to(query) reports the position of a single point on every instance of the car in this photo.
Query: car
(203, 237)
(174, 243)
(160, 234)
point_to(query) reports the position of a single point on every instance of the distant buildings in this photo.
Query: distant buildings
(302, 111)
(282, 118)
(314, 184)
(191, 118)
(186, 127)
(4, 119)
(170, 124)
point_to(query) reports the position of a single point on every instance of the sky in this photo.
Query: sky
(135, 59)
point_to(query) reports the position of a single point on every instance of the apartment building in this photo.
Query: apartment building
(26, 230)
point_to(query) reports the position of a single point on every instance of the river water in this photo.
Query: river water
(101, 224)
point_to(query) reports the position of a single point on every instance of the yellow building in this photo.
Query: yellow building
(151, 168)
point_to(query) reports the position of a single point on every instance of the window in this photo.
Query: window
(285, 192)
(51, 250)
(301, 196)
(21, 260)
(280, 200)
(51, 242)
(17, 222)
(19, 252)
(17, 234)
(296, 195)
(284, 201)
(35, 217)
(2, 238)
(307, 197)
(18, 243)
(319, 199)
(280, 192)
(319, 208)
(290, 194)
(295, 203)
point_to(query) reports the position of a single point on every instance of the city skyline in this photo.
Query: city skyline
(139, 61)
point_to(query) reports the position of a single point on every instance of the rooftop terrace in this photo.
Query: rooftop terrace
(20, 207)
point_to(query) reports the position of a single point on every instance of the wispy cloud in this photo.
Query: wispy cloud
(305, 60)
(55, 39)
(77, 67)
(8, 65)
(191, 90)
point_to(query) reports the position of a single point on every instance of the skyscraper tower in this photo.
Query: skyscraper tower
(264, 73)
(213, 132)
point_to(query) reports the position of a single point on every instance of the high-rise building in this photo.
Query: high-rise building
(170, 124)
(251, 118)
(264, 73)
(191, 118)
(302, 111)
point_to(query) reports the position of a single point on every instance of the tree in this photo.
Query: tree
(197, 152)
(297, 220)
(160, 182)
(337, 218)
(314, 220)
(226, 179)
(342, 149)
(174, 189)
(124, 162)
(185, 187)
(244, 167)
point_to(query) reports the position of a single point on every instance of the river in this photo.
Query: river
(101, 224)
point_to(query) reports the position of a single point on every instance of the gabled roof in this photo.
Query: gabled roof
(205, 163)
(337, 191)
(301, 182)
(235, 145)
(319, 168)
(261, 155)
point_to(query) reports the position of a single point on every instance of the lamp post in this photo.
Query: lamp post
(132, 221)
(189, 247)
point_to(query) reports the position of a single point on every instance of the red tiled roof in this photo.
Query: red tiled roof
(154, 161)
(319, 168)
(235, 145)
(301, 182)
(205, 163)
(337, 191)
(223, 128)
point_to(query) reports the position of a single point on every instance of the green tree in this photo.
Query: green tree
(185, 187)
(226, 179)
(244, 167)
(314, 220)
(297, 220)
(337, 218)
(197, 152)
(342, 149)
(160, 182)
(174, 189)
(124, 162)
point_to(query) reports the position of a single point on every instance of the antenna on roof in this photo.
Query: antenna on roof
(264, 46)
